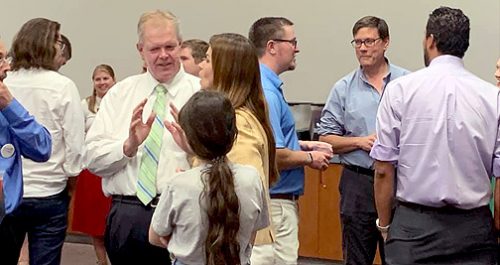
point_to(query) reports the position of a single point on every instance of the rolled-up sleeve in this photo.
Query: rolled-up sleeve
(388, 125)
(332, 115)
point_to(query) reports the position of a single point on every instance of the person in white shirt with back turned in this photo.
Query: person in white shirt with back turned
(54, 100)
(129, 147)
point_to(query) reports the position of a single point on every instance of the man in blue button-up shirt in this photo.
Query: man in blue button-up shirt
(348, 124)
(276, 45)
(20, 135)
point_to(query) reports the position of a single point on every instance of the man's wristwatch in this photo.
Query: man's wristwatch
(309, 158)
(382, 229)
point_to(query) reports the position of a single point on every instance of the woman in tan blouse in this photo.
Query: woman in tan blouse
(232, 67)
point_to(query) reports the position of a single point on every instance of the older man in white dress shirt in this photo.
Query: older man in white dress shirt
(132, 156)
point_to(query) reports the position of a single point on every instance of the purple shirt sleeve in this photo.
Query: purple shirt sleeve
(388, 125)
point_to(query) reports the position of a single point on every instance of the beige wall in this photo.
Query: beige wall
(104, 31)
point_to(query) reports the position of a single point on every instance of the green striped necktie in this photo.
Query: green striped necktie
(146, 184)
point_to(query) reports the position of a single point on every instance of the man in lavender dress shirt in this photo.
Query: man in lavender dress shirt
(440, 127)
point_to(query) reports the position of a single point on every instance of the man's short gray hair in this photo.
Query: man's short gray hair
(158, 14)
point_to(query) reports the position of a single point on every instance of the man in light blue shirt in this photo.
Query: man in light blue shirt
(20, 135)
(276, 44)
(441, 126)
(348, 124)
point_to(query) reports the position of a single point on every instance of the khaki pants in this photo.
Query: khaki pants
(285, 251)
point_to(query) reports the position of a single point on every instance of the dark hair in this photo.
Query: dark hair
(34, 45)
(198, 49)
(372, 22)
(67, 52)
(91, 100)
(450, 29)
(265, 29)
(237, 74)
(209, 121)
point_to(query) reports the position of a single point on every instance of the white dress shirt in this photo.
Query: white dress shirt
(89, 115)
(55, 102)
(111, 126)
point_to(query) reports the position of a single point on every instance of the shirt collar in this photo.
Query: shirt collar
(447, 59)
(386, 78)
(172, 87)
(271, 76)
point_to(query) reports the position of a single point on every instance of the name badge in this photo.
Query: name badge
(7, 150)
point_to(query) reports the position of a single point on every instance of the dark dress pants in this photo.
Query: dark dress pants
(358, 214)
(126, 236)
(425, 235)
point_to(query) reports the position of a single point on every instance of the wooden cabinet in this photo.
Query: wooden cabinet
(319, 228)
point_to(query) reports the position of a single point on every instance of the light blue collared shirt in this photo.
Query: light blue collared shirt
(441, 125)
(29, 139)
(291, 181)
(351, 109)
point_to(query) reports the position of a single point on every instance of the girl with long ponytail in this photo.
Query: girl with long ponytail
(210, 213)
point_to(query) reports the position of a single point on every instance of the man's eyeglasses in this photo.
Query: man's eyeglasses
(5, 61)
(293, 41)
(62, 45)
(366, 42)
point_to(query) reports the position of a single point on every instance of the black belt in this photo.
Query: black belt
(290, 197)
(128, 199)
(361, 170)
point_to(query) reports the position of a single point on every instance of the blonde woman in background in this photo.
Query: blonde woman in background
(103, 79)
(91, 207)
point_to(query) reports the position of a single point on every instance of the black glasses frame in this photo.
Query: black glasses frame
(366, 42)
(293, 41)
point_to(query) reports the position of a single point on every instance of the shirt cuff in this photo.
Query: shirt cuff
(118, 153)
(384, 153)
(14, 112)
(322, 130)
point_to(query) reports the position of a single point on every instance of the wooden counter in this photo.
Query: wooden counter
(319, 212)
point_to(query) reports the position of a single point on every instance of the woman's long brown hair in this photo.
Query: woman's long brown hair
(237, 74)
(209, 121)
